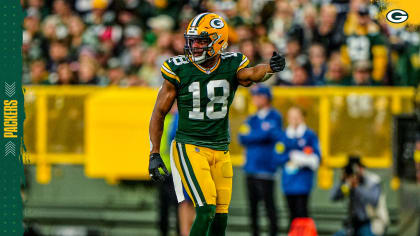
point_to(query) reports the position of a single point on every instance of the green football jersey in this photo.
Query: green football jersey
(360, 46)
(204, 97)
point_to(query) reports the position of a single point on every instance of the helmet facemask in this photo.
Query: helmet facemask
(206, 52)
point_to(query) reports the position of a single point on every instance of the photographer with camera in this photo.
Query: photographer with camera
(368, 214)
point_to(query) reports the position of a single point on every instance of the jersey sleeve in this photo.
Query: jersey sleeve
(169, 74)
(244, 62)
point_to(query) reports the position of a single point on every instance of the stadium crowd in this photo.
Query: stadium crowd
(124, 42)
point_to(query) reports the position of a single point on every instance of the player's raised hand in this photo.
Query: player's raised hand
(156, 162)
(277, 62)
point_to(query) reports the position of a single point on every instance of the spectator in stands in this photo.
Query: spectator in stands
(294, 58)
(132, 46)
(365, 42)
(159, 25)
(36, 7)
(247, 47)
(299, 9)
(65, 74)
(352, 15)
(134, 80)
(114, 28)
(58, 53)
(257, 136)
(161, 52)
(32, 24)
(336, 73)
(368, 214)
(137, 55)
(83, 6)
(178, 44)
(53, 29)
(149, 72)
(38, 73)
(108, 40)
(87, 73)
(244, 32)
(297, 153)
(294, 52)
(310, 15)
(361, 73)
(116, 74)
(280, 23)
(318, 64)
(265, 50)
(76, 29)
(62, 10)
(328, 32)
(163, 43)
(99, 15)
(304, 31)
(300, 76)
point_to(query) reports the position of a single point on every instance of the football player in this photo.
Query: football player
(203, 81)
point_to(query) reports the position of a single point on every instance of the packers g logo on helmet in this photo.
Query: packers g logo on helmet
(206, 28)
(217, 23)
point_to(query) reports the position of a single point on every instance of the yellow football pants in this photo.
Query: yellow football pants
(206, 175)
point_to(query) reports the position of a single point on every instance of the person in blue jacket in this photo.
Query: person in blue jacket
(297, 152)
(257, 135)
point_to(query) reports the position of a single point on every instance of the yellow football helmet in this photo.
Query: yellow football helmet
(206, 28)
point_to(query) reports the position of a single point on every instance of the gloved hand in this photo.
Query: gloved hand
(156, 162)
(277, 62)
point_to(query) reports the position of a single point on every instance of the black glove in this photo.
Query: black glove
(155, 162)
(277, 62)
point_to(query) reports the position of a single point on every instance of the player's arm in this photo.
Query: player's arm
(164, 101)
(261, 72)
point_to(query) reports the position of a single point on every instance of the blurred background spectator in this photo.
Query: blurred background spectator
(361, 75)
(297, 153)
(139, 35)
(318, 64)
(257, 135)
